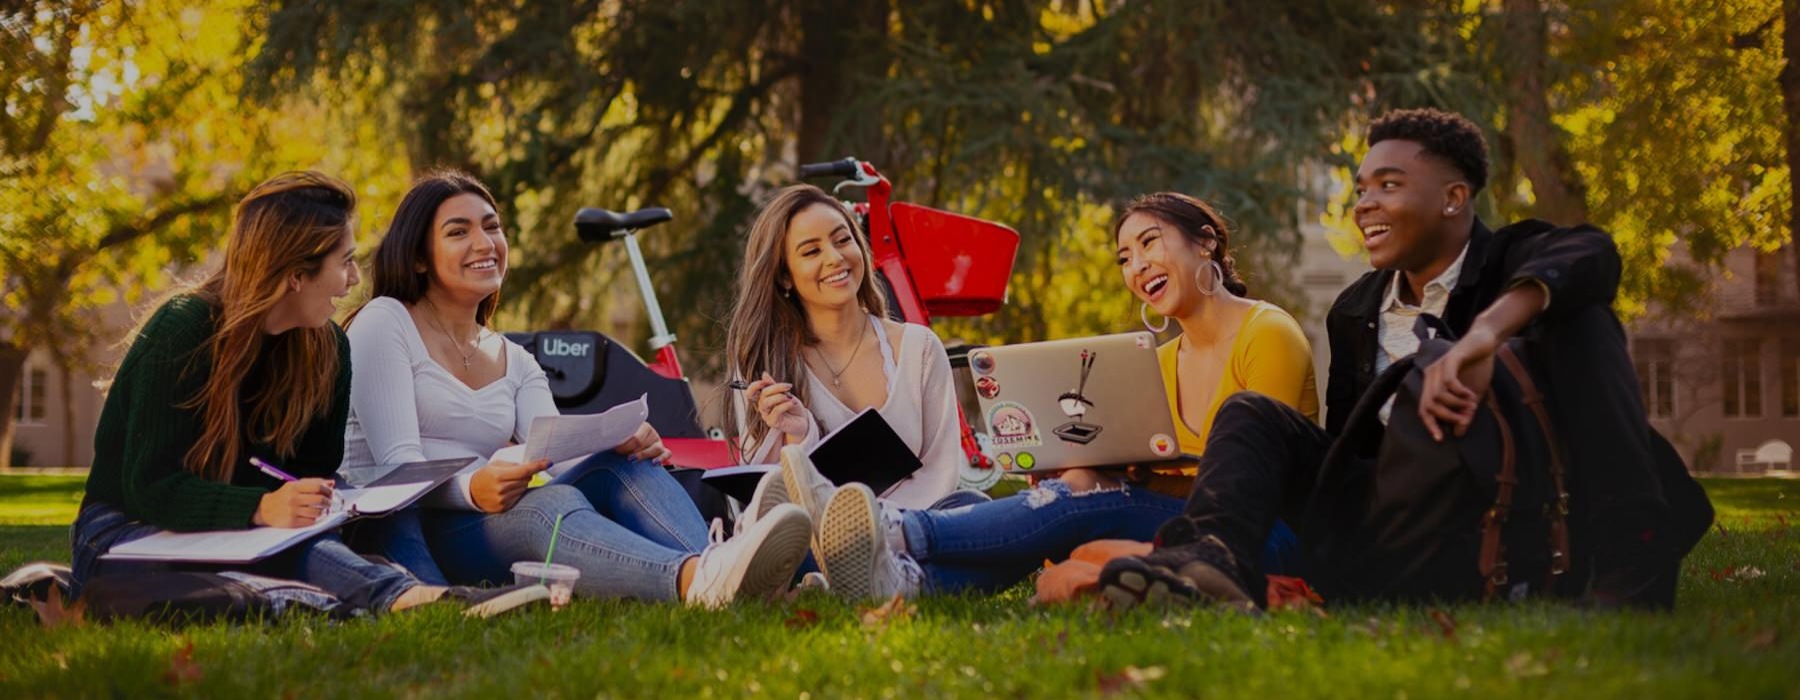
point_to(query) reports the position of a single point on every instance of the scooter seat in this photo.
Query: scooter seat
(600, 225)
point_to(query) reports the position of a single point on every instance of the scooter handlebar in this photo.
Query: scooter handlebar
(847, 167)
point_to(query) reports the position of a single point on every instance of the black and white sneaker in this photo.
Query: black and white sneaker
(32, 583)
(487, 602)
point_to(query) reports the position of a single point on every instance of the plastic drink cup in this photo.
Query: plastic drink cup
(560, 578)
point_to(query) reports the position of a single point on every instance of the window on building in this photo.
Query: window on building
(1768, 278)
(1741, 373)
(1655, 360)
(34, 389)
(1790, 377)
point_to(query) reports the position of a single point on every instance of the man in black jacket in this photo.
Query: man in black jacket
(1415, 195)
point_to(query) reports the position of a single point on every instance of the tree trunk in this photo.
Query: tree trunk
(1525, 54)
(66, 387)
(829, 35)
(12, 368)
(1790, 101)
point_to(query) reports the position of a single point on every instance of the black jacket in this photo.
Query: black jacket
(1579, 266)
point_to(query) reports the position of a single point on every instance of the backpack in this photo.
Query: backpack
(178, 597)
(1396, 515)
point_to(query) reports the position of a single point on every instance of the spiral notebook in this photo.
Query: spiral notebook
(401, 487)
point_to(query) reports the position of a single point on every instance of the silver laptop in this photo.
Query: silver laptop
(1081, 402)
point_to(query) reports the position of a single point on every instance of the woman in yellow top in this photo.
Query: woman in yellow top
(1172, 254)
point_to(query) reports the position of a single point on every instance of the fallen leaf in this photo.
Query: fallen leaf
(1290, 593)
(1445, 622)
(802, 618)
(1763, 640)
(895, 609)
(1130, 678)
(1524, 665)
(1748, 573)
(182, 668)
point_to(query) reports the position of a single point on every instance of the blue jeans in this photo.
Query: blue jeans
(990, 546)
(626, 525)
(323, 561)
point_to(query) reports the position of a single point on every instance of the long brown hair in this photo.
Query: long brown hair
(1197, 221)
(285, 226)
(768, 326)
(407, 245)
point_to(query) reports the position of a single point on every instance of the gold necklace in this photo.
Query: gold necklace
(837, 375)
(467, 357)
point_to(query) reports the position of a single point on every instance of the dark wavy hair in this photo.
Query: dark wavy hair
(395, 270)
(1197, 221)
(1446, 135)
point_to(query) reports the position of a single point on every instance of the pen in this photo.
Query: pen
(271, 470)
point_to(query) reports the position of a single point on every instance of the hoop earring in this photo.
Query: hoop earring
(1144, 315)
(1218, 280)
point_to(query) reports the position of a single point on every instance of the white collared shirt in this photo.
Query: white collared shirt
(1397, 318)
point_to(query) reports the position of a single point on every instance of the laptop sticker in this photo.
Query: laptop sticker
(1013, 426)
(1162, 445)
(1026, 461)
(1075, 404)
(987, 387)
(1005, 459)
(982, 362)
(1143, 340)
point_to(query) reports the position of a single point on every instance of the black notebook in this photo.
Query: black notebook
(868, 451)
(865, 450)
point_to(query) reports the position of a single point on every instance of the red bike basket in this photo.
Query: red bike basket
(960, 264)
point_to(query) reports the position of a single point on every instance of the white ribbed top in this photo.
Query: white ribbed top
(405, 407)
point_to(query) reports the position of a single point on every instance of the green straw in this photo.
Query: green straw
(554, 531)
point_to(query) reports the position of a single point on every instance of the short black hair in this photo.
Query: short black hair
(1447, 135)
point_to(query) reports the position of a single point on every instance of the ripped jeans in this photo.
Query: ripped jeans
(990, 546)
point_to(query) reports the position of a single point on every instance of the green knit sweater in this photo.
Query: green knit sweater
(145, 432)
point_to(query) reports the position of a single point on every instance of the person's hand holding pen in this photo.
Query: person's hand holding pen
(298, 503)
(776, 404)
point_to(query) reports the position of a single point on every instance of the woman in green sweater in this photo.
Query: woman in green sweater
(247, 365)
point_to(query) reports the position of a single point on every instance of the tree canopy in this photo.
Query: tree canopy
(130, 127)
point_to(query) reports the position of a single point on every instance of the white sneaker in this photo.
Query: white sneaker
(813, 581)
(771, 491)
(759, 562)
(806, 487)
(853, 550)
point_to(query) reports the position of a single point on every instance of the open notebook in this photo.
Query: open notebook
(396, 490)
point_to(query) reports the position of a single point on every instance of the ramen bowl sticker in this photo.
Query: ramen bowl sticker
(987, 387)
(982, 362)
(1011, 426)
(1162, 445)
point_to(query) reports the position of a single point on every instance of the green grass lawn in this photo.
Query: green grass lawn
(1734, 636)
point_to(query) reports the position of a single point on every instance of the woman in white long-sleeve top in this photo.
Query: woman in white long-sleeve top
(432, 381)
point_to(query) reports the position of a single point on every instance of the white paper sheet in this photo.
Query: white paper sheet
(565, 440)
